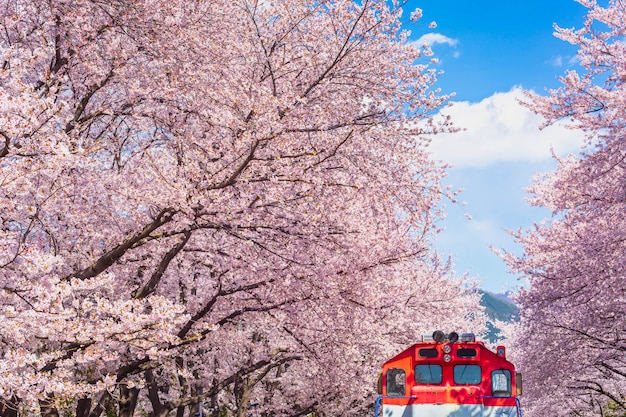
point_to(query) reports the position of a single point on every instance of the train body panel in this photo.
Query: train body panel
(448, 377)
(448, 410)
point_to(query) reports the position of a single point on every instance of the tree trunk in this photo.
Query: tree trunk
(128, 401)
(153, 394)
(215, 406)
(195, 408)
(48, 409)
(105, 403)
(83, 407)
(162, 413)
(9, 408)
(242, 392)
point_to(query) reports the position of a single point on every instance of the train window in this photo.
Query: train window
(428, 353)
(467, 374)
(428, 374)
(396, 381)
(501, 383)
(466, 353)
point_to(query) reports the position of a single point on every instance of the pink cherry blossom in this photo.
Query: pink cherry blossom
(573, 312)
(219, 201)
(416, 14)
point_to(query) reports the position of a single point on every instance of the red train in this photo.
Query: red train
(449, 376)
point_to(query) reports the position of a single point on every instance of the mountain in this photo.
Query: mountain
(498, 307)
(506, 296)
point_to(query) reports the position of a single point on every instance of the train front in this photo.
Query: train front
(449, 376)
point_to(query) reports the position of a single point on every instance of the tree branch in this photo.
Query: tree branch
(231, 180)
(84, 101)
(184, 402)
(156, 276)
(116, 253)
(7, 141)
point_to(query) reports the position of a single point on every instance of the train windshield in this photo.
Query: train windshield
(396, 381)
(428, 374)
(467, 374)
(501, 383)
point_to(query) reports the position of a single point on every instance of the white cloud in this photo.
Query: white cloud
(499, 129)
(560, 61)
(556, 61)
(431, 39)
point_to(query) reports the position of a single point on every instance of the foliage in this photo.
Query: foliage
(218, 201)
(573, 313)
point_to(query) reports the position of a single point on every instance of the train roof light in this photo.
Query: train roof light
(468, 337)
(439, 336)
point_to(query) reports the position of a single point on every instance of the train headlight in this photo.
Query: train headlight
(447, 349)
(447, 358)
(453, 337)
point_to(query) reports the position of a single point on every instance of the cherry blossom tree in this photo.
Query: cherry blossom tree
(574, 310)
(218, 202)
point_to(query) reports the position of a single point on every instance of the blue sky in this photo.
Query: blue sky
(490, 51)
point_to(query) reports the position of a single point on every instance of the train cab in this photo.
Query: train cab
(449, 376)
